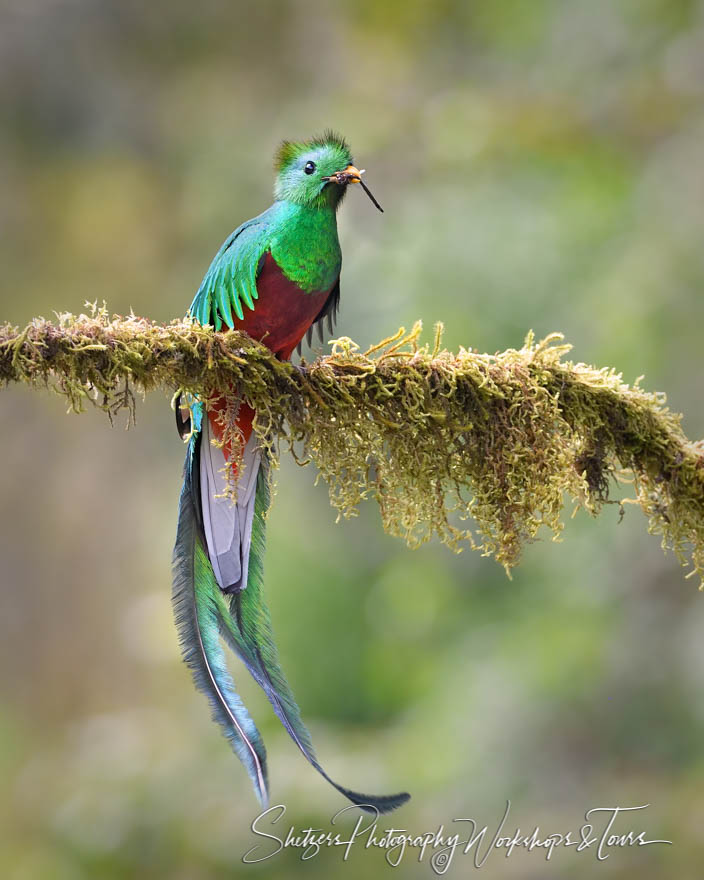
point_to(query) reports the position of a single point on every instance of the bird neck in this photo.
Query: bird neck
(305, 245)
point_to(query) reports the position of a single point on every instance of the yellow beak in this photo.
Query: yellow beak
(352, 174)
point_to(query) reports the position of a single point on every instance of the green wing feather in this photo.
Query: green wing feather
(230, 284)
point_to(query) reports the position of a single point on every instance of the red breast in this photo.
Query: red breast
(281, 316)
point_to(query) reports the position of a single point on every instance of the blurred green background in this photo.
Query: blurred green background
(540, 163)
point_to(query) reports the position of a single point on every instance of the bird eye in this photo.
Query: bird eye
(309, 167)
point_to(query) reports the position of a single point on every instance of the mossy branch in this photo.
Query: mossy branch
(434, 437)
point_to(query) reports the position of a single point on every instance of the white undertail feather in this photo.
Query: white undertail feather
(228, 526)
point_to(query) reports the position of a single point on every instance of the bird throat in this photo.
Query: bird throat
(306, 247)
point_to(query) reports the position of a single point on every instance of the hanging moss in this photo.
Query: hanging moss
(438, 439)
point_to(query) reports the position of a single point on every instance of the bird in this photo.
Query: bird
(276, 277)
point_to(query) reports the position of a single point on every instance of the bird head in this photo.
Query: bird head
(316, 172)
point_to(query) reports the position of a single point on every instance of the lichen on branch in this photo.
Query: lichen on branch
(436, 438)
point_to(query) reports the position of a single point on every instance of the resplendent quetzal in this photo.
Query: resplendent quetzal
(274, 277)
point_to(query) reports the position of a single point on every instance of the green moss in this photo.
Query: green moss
(436, 438)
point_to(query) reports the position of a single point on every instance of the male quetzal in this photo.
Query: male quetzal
(274, 277)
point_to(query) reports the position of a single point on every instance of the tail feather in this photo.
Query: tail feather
(198, 608)
(247, 629)
(204, 611)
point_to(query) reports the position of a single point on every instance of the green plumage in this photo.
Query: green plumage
(302, 239)
(199, 610)
(290, 151)
(218, 558)
(247, 629)
(203, 616)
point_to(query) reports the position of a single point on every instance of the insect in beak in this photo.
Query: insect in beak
(353, 175)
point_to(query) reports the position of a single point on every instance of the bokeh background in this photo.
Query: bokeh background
(540, 163)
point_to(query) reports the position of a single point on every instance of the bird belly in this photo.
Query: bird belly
(282, 313)
(281, 316)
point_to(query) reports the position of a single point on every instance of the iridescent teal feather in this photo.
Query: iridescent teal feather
(231, 280)
(285, 230)
(247, 629)
(203, 615)
(199, 608)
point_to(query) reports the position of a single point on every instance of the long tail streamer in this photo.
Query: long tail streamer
(205, 614)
